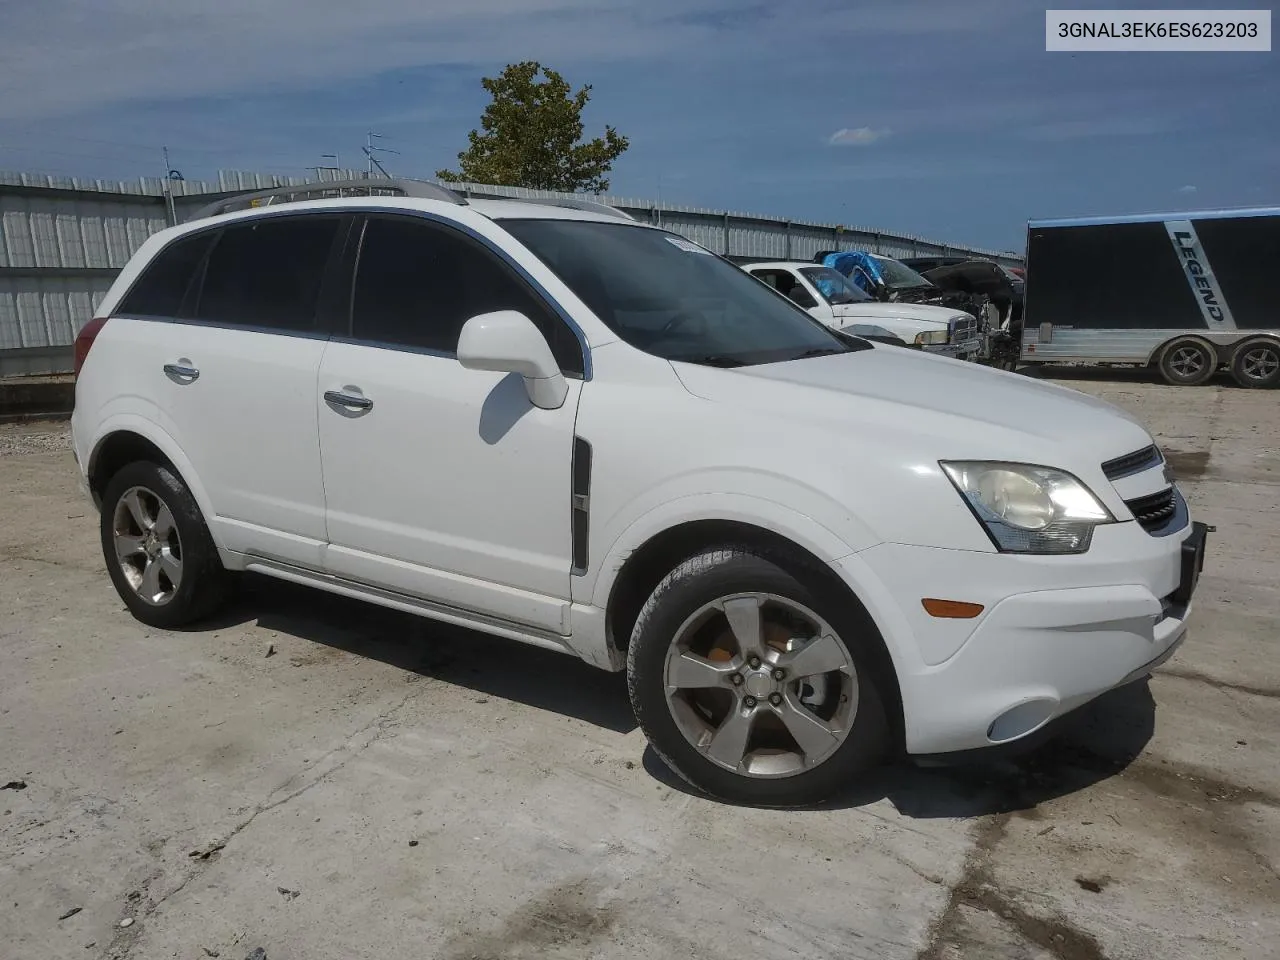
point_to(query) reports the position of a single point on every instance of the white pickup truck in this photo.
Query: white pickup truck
(829, 296)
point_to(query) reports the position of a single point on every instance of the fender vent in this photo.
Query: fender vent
(581, 503)
(1132, 463)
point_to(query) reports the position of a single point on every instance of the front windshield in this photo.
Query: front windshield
(672, 298)
(898, 275)
(833, 285)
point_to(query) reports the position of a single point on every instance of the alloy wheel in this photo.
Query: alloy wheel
(1187, 361)
(147, 545)
(1260, 363)
(761, 685)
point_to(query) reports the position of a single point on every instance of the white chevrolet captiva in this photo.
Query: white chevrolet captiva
(553, 423)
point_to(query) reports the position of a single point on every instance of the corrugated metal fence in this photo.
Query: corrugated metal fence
(63, 239)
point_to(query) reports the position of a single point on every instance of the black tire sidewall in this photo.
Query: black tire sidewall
(719, 573)
(1211, 363)
(1237, 361)
(203, 578)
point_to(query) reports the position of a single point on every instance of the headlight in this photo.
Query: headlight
(1029, 509)
(932, 337)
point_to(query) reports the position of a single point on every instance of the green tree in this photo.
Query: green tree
(530, 136)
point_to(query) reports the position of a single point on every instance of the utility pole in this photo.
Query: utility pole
(370, 150)
(170, 209)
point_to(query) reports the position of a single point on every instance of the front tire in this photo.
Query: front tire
(157, 548)
(755, 685)
(1187, 362)
(1256, 364)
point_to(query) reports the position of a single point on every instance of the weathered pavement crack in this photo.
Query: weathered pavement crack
(381, 722)
(126, 938)
(45, 561)
(977, 890)
(1194, 677)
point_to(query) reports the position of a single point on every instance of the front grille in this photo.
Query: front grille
(1154, 510)
(964, 328)
(1132, 463)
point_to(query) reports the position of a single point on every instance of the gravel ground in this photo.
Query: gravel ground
(33, 438)
(384, 787)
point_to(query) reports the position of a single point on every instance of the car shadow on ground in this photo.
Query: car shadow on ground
(489, 665)
(1093, 744)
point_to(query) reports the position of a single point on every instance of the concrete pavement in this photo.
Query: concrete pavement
(386, 787)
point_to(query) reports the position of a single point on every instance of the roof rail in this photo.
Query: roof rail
(573, 203)
(320, 189)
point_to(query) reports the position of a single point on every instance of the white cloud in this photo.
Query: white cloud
(1187, 188)
(857, 136)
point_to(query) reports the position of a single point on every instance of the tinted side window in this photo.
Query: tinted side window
(268, 273)
(418, 283)
(160, 290)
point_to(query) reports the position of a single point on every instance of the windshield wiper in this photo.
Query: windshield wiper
(818, 352)
(714, 360)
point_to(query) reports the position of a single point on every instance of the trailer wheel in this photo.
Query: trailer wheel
(1256, 363)
(1187, 361)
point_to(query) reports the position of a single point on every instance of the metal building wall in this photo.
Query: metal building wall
(63, 239)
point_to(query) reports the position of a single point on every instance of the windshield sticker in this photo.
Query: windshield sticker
(688, 247)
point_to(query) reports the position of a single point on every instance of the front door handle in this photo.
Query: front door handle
(181, 371)
(352, 400)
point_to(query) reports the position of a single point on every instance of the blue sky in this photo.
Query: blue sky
(945, 118)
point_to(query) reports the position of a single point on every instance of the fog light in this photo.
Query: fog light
(1021, 720)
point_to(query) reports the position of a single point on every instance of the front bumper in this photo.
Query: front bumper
(1054, 633)
(964, 350)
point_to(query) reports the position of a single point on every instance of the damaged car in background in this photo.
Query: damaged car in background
(983, 289)
(1000, 286)
(892, 281)
(837, 302)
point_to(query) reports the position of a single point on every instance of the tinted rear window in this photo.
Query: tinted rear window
(164, 284)
(268, 273)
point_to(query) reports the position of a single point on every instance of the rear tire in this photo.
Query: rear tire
(1256, 364)
(1187, 361)
(157, 548)
(786, 719)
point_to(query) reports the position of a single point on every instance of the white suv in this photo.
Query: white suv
(568, 428)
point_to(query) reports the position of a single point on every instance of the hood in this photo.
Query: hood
(943, 408)
(976, 276)
(874, 309)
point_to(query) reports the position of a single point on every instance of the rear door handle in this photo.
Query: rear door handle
(352, 400)
(182, 370)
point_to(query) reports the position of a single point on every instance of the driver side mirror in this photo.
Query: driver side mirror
(509, 342)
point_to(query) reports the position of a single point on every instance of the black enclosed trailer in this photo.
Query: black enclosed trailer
(1187, 293)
